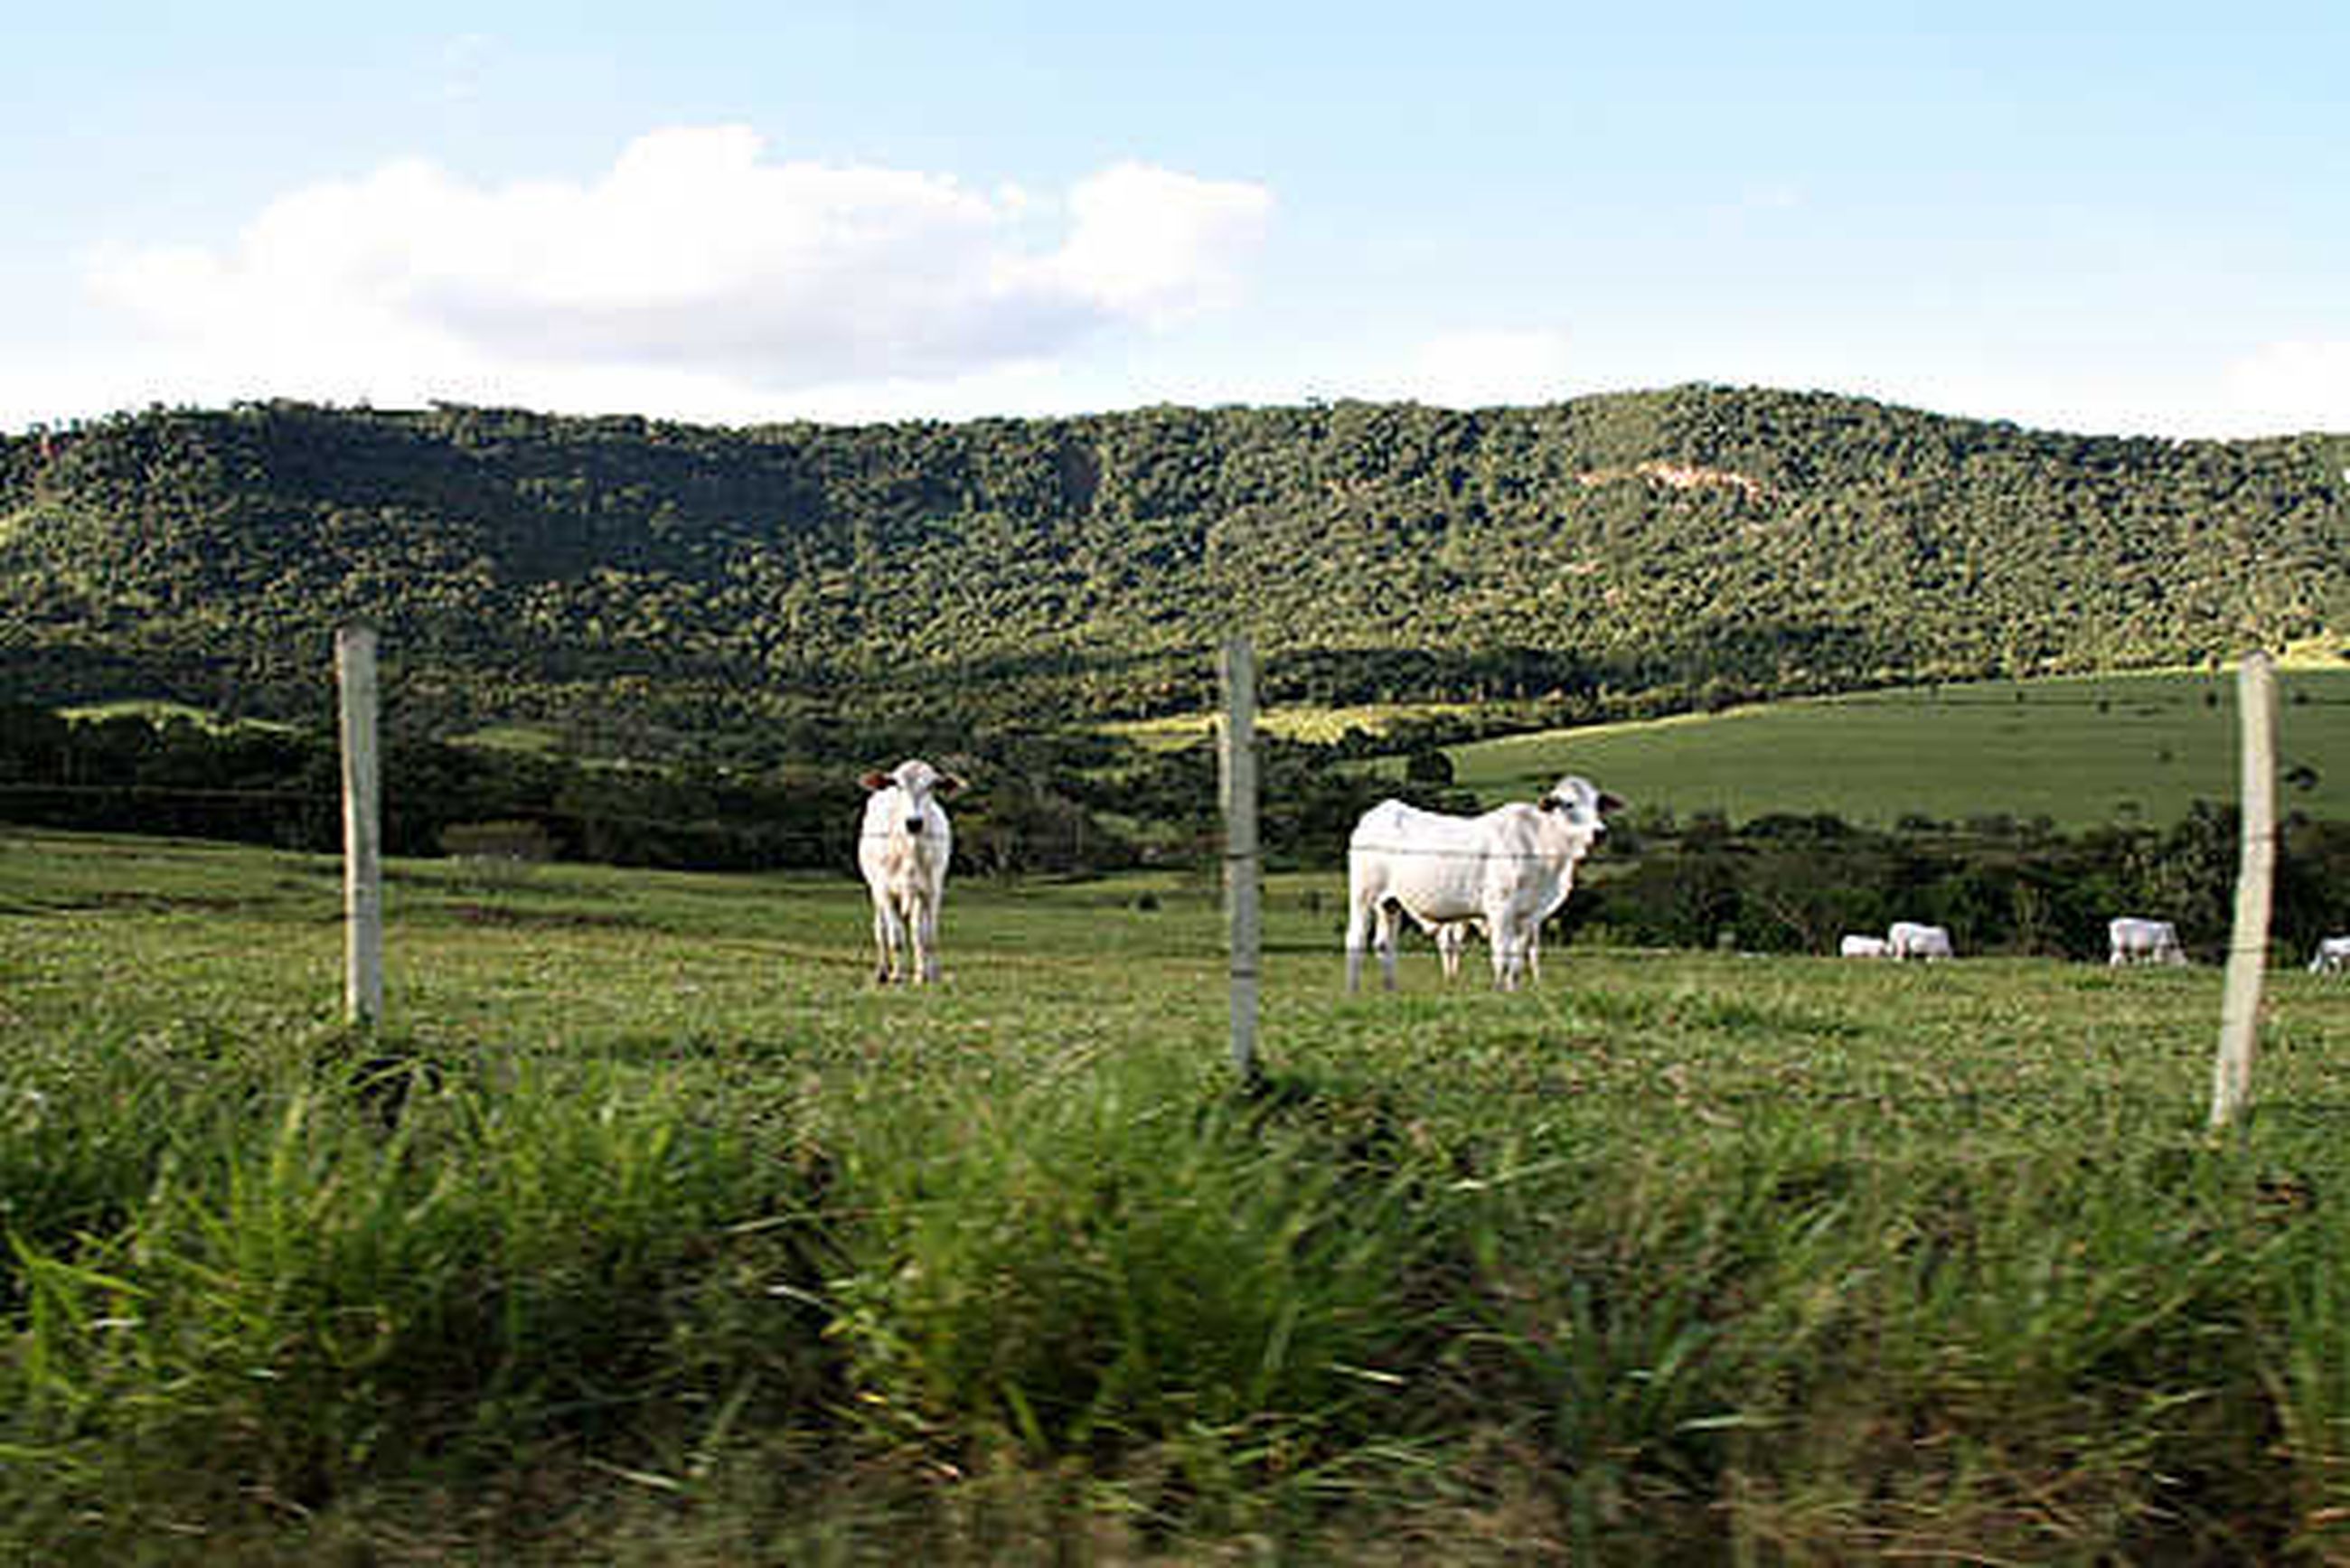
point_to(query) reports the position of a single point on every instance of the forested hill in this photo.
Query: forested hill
(1619, 553)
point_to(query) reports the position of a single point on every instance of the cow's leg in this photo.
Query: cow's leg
(1509, 949)
(1385, 922)
(925, 924)
(889, 937)
(1361, 909)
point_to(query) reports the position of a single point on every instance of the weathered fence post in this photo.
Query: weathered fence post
(2248, 943)
(362, 824)
(1237, 770)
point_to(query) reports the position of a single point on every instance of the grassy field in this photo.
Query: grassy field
(2081, 753)
(1316, 725)
(647, 1231)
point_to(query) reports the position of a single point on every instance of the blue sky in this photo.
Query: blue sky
(2091, 217)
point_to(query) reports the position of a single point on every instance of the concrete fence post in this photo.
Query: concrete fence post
(355, 673)
(1237, 770)
(2248, 943)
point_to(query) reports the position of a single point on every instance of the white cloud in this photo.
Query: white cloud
(2278, 388)
(1155, 244)
(2291, 387)
(695, 263)
(1484, 368)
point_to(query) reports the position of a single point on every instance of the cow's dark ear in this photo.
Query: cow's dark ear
(1610, 802)
(1548, 802)
(949, 786)
(877, 781)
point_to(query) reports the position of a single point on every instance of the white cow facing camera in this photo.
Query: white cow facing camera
(903, 851)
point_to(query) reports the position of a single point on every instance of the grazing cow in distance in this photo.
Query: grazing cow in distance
(2137, 941)
(2333, 956)
(1864, 947)
(1510, 867)
(903, 851)
(1914, 939)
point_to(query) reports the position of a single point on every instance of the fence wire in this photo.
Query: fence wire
(1205, 850)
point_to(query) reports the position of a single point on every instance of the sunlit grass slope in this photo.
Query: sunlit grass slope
(2110, 749)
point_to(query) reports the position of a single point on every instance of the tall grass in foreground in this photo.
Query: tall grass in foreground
(658, 1237)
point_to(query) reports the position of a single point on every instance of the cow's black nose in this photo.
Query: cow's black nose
(913, 824)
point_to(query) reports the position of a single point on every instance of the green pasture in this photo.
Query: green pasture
(2117, 749)
(532, 740)
(156, 713)
(647, 1230)
(1313, 725)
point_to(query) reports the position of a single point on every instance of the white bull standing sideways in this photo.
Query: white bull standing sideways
(2333, 956)
(903, 851)
(1914, 939)
(1510, 867)
(2135, 939)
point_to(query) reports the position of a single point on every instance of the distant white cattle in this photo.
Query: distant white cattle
(2133, 939)
(2333, 956)
(1510, 868)
(903, 851)
(1911, 940)
(1865, 947)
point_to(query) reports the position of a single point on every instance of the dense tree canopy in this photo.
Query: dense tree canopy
(729, 591)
